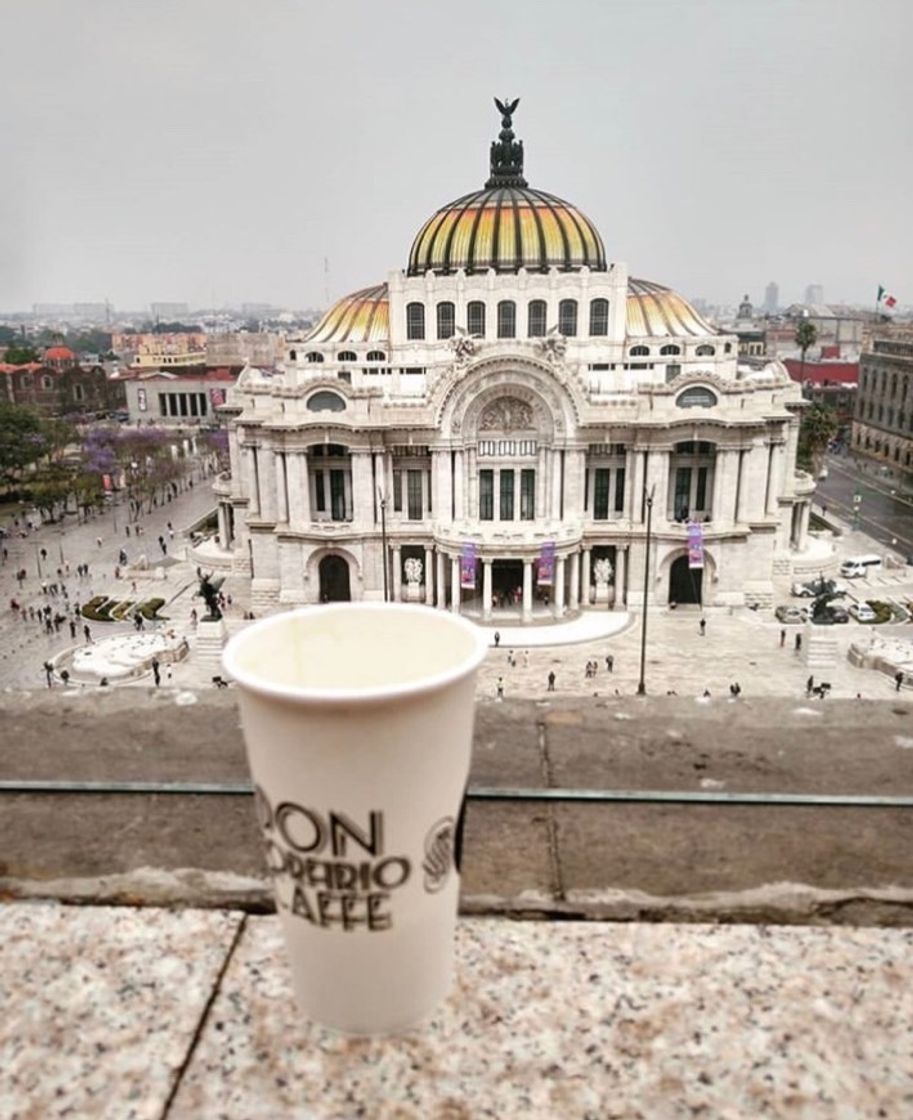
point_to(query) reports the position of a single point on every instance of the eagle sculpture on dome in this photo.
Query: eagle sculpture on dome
(507, 110)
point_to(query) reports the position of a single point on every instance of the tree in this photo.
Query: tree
(21, 441)
(806, 337)
(818, 428)
(19, 355)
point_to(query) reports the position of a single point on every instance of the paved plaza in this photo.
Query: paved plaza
(738, 645)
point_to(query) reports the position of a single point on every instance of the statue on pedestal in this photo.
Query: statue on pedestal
(413, 568)
(209, 591)
(602, 575)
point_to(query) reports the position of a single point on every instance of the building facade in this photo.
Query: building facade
(493, 428)
(883, 421)
(167, 397)
(60, 386)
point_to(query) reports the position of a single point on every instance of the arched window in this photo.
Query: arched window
(475, 318)
(79, 393)
(599, 317)
(446, 320)
(639, 352)
(536, 313)
(696, 397)
(314, 356)
(347, 356)
(47, 382)
(326, 401)
(670, 351)
(415, 320)
(376, 356)
(705, 351)
(727, 349)
(293, 355)
(507, 319)
(567, 317)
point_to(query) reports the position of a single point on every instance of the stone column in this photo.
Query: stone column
(442, 494)
(776, 478)
(585, 578)
(296, 508)
(574, 598)
(268, 494)
(281, 488)
(252, 487)
(555, 504)
(362, 489)
(455, 592)
(397, 573)
(459, 486)
(637, 485)
(223, 526)
(559, 587)
(723, 483)
(541, 485)
(234, 462)
(805, 509)
(527, 590)
(486, 589)
(441, 589)
(429, 577)
(621, 560)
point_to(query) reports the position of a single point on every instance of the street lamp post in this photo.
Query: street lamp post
(38, 560)
(641, 684)
(857, 502)
(382, 498)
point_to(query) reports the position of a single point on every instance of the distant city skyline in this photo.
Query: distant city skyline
(219, 152)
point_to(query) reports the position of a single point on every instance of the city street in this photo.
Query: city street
(24, 645)
(885, 511)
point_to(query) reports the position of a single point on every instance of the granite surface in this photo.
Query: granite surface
(128, 1013)
(585, 1020)
(99, 1007)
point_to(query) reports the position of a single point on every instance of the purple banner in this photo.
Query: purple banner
(545, 574)
(695, 544)
(468, 565)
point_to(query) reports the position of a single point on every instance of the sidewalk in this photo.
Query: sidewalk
(115, 1013)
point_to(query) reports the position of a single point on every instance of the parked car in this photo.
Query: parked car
(791, 614)
(862, 612)
(833, 616)
(802, 590)
(860, 567)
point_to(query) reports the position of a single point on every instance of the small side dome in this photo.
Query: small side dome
(657, 312)
(363, 316)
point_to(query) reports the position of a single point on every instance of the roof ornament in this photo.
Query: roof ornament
(506, 151)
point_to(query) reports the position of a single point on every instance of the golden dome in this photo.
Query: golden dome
(507, 228)
(363, 316)
(507, 225)
(657, 312)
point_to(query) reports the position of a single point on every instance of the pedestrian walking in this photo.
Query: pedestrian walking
(782, 638)
(610, 663)
(500, 694)
(703, 626)
(798, 643)
(526, 659)
(98, 541)
(72, 627)
(551, 681)
(44, 554)
(164, 549)
(49, 673)
(156, 672)
(87, 633)
(127, 530)
(735, 690)
(898, 680)
(809, 686)
(497, 639)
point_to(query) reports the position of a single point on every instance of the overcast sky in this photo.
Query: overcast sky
(218, 151)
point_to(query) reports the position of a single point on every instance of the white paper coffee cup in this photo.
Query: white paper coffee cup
(358, 723)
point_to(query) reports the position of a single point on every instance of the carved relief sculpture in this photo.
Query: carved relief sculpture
(553, 346)
(602, 571)
(506, 414)
(413, 569)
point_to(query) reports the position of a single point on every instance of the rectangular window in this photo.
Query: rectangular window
(700, 498)
(203, 403)
(398, 491)
(475, 318)
(601, 477)
(682, 493)
(338, 495)
(527, 495)
(414, 494)
(194, 400)
(536, 322)
(320, 500)
(599, 317)
(507, 319)
(428, 488)
(163, 403)
(620, 490)
(182, 397)
(172, 404)
(415, 321)
(507, 495)
(486, 495)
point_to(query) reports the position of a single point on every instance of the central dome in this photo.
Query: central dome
(507, 225)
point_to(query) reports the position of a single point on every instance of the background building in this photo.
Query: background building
(772, 298)
(488, 428)
(883, 424)
(169, 397)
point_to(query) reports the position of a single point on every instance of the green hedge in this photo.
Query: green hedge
(150, 607)
(883, 611)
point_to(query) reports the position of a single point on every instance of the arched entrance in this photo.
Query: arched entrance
(685, 584)
(334, 580)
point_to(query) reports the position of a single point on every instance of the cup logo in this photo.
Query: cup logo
(438, 854)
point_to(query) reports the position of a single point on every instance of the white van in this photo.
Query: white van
(858, 567)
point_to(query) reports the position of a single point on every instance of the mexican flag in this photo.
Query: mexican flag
(885, 300)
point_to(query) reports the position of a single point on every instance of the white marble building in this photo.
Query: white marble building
(512, 388)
